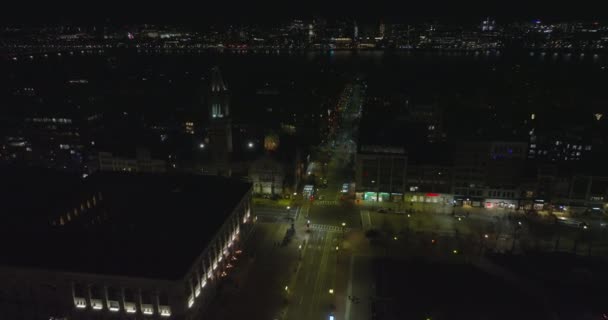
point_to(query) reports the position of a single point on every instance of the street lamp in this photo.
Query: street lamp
(250, 145)
(331, 291)
(288, 207)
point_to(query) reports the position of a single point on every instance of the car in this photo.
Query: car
(572, 222)
(460, 216)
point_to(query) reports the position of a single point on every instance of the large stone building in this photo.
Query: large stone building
(117, 245)
(267, 176)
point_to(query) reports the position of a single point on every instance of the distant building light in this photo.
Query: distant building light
(250, 145)
(202, 146)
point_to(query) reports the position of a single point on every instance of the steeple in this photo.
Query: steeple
(217, 82)
(220, 124)
(219, 100)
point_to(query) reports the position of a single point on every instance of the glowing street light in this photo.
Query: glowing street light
(286, 288)
(331, 291)
(288, 207)
(343, 224)
(202, 146)
(250, 145)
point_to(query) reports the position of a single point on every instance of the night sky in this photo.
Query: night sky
(203, 12)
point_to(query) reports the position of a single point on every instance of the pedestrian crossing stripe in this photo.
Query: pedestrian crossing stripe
(326, 227)
(326, 202)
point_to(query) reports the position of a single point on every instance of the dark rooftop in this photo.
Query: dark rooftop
(144, 225)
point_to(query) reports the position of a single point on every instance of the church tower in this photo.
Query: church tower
(220, 125)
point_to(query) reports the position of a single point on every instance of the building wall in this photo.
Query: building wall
(381, 173)
(479, 166)
(267, 176)
(41, 294)
(106, 161)
(429, 178)
(200, 283)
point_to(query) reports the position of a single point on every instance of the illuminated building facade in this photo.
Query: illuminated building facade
(116, 245)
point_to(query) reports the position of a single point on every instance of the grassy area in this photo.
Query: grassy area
(280, 203)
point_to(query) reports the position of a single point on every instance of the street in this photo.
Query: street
(346, 259)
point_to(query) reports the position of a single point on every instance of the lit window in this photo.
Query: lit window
(165, 312)
(147, 309)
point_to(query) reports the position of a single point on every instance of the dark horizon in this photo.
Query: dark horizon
(243, 12)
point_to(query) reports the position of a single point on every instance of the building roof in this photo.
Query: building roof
(140, 225)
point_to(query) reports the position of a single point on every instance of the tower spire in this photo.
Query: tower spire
(217, 81)
(219, 97)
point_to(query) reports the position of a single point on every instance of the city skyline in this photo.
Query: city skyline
(295, 161)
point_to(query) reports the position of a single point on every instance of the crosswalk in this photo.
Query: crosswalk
(266, 214)
(326, 227)
(326, 202)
